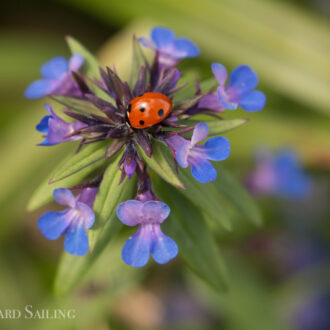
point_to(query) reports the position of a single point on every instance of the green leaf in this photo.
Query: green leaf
(90, 154)
(107, 200)
(90, 67)
(44, 193)
(91, 64)
(217, 127)
(207, 197)
(188, 228)
(160, 165)
(73, 268)
(227, 185)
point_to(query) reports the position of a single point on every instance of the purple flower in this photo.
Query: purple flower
(280, 174)
(72, 222)
(211, 102)
(197, 156)
(170, 48)
(240, 91)
(56, 78)
(56, 130)
(149, 238)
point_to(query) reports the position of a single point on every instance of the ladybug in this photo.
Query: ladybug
(148, 109)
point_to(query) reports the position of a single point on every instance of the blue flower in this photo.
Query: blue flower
(280, 174)
(240, 90)
(72, 222)
(149, 239)
(56, 130)
(197, 156)
(56, 78)
(170, 48)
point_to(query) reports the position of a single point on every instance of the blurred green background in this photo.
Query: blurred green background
(287, 43)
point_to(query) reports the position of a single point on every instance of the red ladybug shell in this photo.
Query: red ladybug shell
(148, 109)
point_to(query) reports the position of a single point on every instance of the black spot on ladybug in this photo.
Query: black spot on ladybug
(160, 112)
(141, 122)
(142, 109)
(129, 108)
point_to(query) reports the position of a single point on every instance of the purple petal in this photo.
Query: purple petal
(87, 196)
(200, 133)
(39, 88)
(163, 248)
(146, 43)
(243, 79)
(65, 197)
(76, 240)
(183, 47)
(253, 101)
(86, 214)
(162, 37)
(182, 154)
(203, 171)
(55, 67)
(217, 148)
(75, 63)
(155, 212)
(220, 73)
(227, 100)
(129, 212)
(43, 125)
(211, 101)
(54, 224)
(137, 248)
(176, 141)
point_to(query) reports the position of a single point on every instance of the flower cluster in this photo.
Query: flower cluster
(132, 116)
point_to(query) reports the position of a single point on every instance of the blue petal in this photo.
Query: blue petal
(55, 67)
(201, 131)
(162, 37)
(185, 48)
(43, 125)
(129, 212)
(136, 250)
(164, 249)
(76, 240)
(75, 62)
(155, 211)
(243, 79)
(253, 101)
(54, 224)
(203, 171)
(217, 148)
(225, 99)
(38, 88)
(64, 196)
(220, 73)
(182, 154)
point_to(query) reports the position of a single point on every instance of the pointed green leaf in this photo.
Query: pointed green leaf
(72, 268)
(90, 67)
(91, 64)
(160, 165)
(44, 193)
(188, 228)
(108, 198)
(227, 185)
(206, 197)
(90, 154)
(217, 126)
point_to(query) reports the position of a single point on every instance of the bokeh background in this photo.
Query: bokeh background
(279, 273)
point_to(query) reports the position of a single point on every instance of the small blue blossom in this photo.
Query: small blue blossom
(280, 175)
(56, 130)
(149, 238)
(188, 153)
(56, 78)
(72, 222)
(240, 90)
(170, 48)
